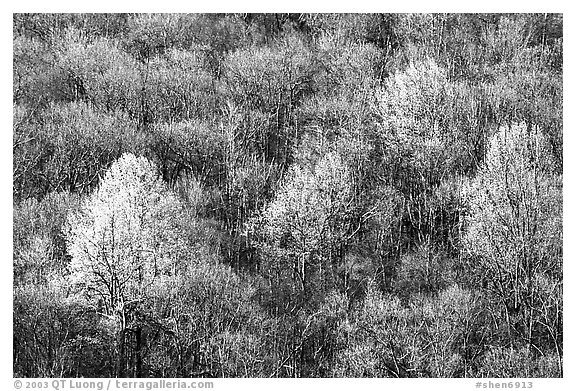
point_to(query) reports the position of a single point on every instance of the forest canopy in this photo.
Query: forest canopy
(287, 195)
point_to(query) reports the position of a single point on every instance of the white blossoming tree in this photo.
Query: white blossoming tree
(306, 222)
(515, 235)
(124, 239)
(119, 242)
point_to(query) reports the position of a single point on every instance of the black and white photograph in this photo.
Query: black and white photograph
(287, 195)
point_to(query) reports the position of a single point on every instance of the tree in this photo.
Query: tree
(271, 82)
(204, 323)
(428, 134)
(433, 337)
(515, 236)
(67, 147)
(190, 147)
(98, 71)
(36, 80)
(305, 226)
(177, 86)
(57, 334)
(38, 237)
(123, 239)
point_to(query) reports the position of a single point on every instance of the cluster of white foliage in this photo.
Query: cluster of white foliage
(309, 203)
(515, 226)
(515, 200)
(120, 241)
(413, 101)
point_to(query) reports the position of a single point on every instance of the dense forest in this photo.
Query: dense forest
(287, 195)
